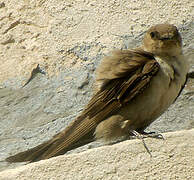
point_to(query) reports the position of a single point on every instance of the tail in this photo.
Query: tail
(78, 133)
(30, 155)
(47, 149)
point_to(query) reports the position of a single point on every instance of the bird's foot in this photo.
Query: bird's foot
(152, 135)
(146, 135)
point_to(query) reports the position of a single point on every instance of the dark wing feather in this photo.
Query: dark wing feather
(125, 82)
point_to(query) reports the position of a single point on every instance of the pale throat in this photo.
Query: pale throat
(169, 60)
(167, 66)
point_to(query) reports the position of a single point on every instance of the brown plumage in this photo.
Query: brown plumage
(134, 87)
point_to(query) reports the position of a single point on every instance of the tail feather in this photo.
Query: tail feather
(30, 155)
(43, 150)
(79, 132)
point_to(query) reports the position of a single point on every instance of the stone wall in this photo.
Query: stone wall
(171, 159)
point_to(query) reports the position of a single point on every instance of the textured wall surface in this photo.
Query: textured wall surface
(172, 158)
(68, 39)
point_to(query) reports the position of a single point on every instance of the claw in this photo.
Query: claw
(152, 135)
(146, 135)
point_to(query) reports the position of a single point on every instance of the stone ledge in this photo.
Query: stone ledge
(173, 158)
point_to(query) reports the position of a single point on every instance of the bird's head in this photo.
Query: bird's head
(163, 39)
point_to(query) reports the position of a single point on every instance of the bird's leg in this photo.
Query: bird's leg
(146, 135)
(141, 136)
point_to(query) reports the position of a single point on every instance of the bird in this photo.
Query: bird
(133, 88)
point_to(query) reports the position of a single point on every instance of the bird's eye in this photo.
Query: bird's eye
(153, 34)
